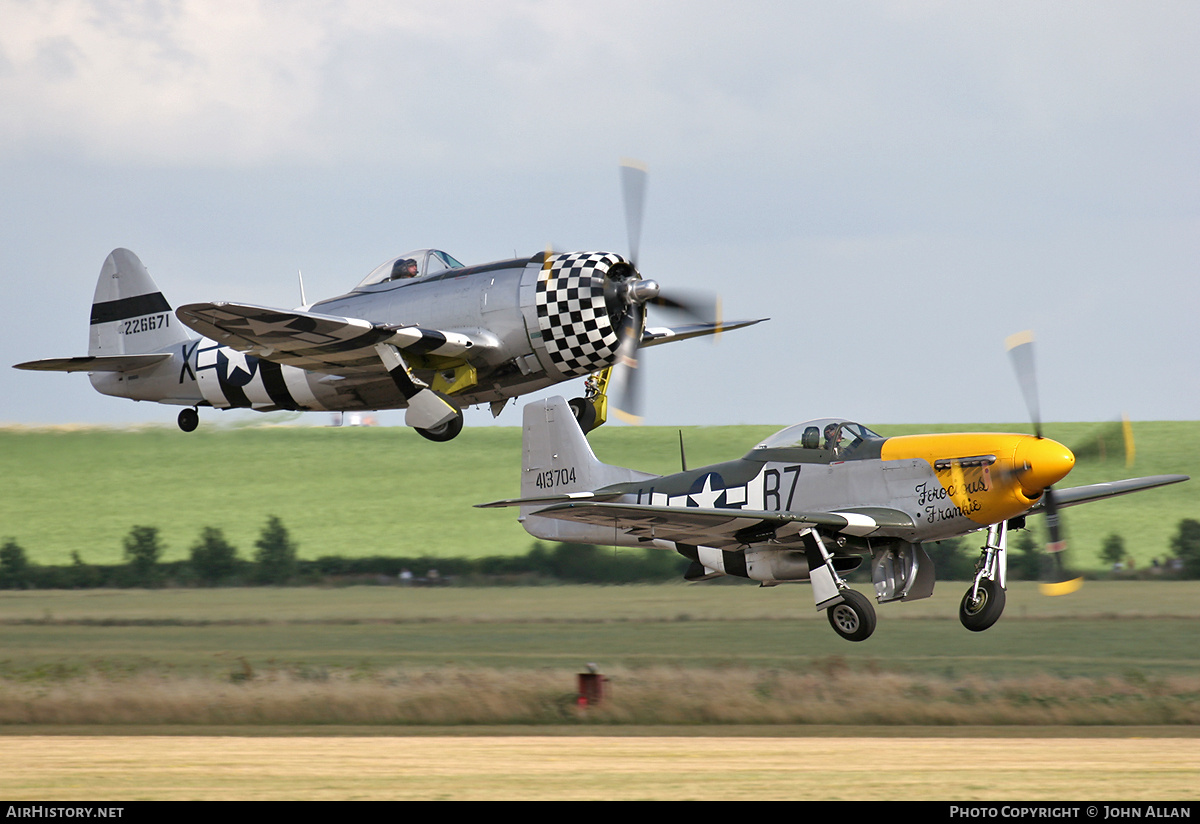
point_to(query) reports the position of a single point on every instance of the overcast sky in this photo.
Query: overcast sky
(898, 186)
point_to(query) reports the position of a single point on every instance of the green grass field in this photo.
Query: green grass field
(368, 491)
(1114, 653)
(1106, 628)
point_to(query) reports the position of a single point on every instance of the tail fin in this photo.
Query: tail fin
(557, 461)
(130, 316)
(137, 348)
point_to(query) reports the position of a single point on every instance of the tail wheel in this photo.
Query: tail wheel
(982, 605)
(853, 618)
(446, 432)
(189, 419)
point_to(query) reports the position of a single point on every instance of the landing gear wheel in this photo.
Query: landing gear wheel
(585, 414)
(854, 618)
(981, 607)
(446, 432)
(189, 419)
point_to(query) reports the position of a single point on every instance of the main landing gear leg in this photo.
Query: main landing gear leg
(591, 410)
(850, 613)
(983, 603)
(427, 413)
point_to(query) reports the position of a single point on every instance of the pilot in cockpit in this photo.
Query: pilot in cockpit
(831, 436)
(403, 269)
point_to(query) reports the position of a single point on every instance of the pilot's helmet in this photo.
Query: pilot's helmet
(404, 268)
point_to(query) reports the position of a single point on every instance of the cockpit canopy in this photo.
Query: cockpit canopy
(823, 433)
(425, 261)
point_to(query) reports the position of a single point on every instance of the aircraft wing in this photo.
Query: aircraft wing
(725, 528)
(1098, 492)
(654, 335)
(309, 340)
(95, 363)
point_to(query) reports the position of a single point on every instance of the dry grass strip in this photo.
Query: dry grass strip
(654, 695)
(124, 768)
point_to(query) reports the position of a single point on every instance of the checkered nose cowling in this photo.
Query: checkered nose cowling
(577, 330)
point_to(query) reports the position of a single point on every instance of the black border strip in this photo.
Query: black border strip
(132, 307)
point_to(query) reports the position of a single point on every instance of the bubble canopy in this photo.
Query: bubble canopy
(428, 262)
(821, 433)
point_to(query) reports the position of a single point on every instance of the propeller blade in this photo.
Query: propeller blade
(625, 384)
(701, 308)
(1020, 349)
(636, 293)
(1061, 581)
(1053, 525)
(633, 189)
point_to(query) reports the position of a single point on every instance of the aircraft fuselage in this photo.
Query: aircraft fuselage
(537, 323)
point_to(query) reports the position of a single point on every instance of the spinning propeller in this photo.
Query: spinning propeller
(631, 291)
(1020, 348)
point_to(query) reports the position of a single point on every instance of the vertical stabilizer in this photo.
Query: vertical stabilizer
(557, 460)
(129, 313)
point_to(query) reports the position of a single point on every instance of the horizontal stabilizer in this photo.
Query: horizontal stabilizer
(546, 500)
(95, 363)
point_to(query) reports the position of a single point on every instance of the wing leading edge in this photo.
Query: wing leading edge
(654, 335)
(1098, 492)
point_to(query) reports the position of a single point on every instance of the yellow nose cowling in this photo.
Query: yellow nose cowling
(1041, 462)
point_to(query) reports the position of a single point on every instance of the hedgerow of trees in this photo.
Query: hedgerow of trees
(214, 561)
(1186, 547)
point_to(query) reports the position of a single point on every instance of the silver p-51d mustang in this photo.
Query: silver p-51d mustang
(421, 332)
(809, 504)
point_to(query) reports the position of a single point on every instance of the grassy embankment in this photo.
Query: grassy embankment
(1115, 653)
(364, 491)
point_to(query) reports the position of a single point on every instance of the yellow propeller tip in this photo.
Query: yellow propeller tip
(635, 420)
(1061, 588)
(1013, 341)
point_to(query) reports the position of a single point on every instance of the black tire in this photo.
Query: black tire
(585, 414)
(982, 608)
(189, 419)
(854, 618)
(446, 432)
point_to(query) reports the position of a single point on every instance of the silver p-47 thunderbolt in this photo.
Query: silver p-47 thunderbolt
(421, 332)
